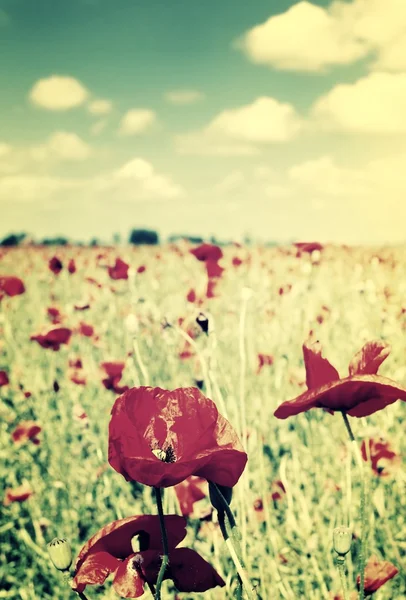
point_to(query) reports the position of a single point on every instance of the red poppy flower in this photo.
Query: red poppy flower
(236, 261)
(76, 363)
(359, 395)
(114, 372)
(112, 551)
(53, 338)
(77, 377)
(25, 431)
(85, 329)
(206, 252)
(213, 269)
(191, 296)
(82, 306)
(3, 378)
(141, 269)
(377, 572)
(308, 247)
(381, 455)
(277, 490)
(160, 437)
(264, 359)
(54, 315)
(211, 287)
(119, 270)
(55, 265)
(19, 494)
(189, 491)
(11, 286)
(71, 266)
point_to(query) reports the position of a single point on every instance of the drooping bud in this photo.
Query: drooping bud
(216, 499)
(60, 553)
(203, 321)
(342, 540)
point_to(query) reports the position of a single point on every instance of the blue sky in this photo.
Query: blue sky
(278, 119)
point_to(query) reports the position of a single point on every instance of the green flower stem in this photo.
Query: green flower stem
(340, 567)
(81, 596)
(249, 590)
(363, 518)
(232, 542)
(165, 557)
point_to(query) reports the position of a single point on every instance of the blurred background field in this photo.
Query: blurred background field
(295, 489)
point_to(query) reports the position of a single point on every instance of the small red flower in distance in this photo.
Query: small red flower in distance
(381, 455)
(119, 270)
(160, 437)
(55, 265)
(264, 359)
(85, 329)
(114, 372)
(113, 551)
(377, 572)
(206, 252)
(53, 338)
(54, 315)
(19, 494)
(11, 286)
(71, 266)
(359, 395)
(3, 378)
(25, 431)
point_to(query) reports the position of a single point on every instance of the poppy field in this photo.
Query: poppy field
(203, 422)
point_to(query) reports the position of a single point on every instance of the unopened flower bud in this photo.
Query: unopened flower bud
(203, 321)
(60, 553)
(342, 540)
(215, 498)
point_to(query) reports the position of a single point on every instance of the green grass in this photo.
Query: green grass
(288, 547)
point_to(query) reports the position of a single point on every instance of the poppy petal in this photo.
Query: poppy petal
(127, 581)
(94, 570)
(319, 371)
(359, 396)
(368, 360)
(191, 573)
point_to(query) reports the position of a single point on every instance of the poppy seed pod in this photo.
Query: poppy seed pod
(60, 553)
(215, 498)
(342, 540)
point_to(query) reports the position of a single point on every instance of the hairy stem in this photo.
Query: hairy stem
(165, 556)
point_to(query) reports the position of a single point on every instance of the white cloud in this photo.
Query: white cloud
(58, 93)
(135, 181)
(373, 104)
(308, 37)
(136, 121)
(182, 97)
(323, 175)
(100, 107)
(62, 145)
(138, 178)
(304, 38)
(265, 120)
(238, 131)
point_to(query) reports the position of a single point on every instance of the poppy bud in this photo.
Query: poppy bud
(203, 321)
(216, 500)
(342, 540)
(60, 553)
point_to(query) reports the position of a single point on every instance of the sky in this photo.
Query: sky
(275, 119)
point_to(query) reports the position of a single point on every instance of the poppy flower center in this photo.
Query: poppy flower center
(166, 455)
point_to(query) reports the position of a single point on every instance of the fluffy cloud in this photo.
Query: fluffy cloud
(308, 37)
(62, 145)
(182, 97)
(100, 107)
(304, 38)
(136, 121)
(238, 131)
(374, 104)
(58, 93)
(134, 181)
(138, 178)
